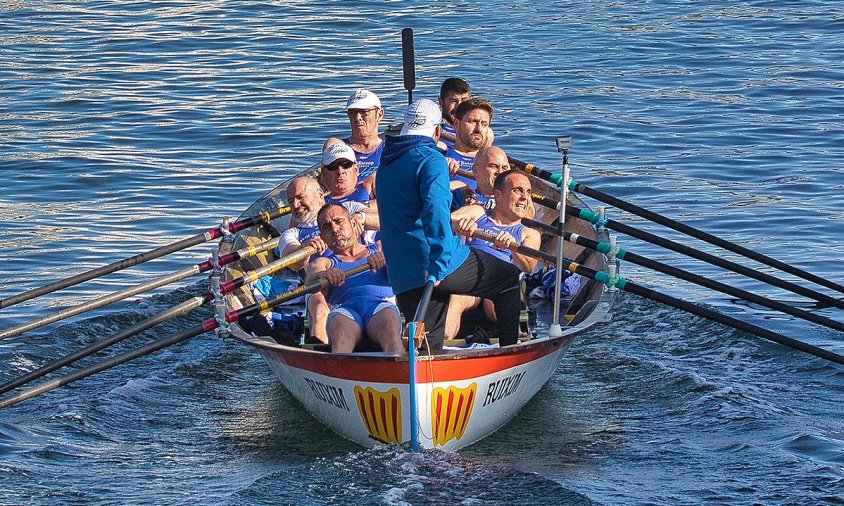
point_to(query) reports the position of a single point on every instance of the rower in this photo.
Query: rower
(453, 91)
(365, 113)
(305, 197)
(512, 192)
(362, 306)
(471, 125)
(414, 200)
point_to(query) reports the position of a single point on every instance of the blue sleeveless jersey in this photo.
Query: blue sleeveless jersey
(367, 162)
(466, 163)
(485, 201)
(487, 225)
(359, 195)
(448, 129)
(367, 284)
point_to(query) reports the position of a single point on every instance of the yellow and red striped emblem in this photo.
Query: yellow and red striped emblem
(451, 409)
(381, 413)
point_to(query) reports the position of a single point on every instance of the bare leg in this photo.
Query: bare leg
(345, 334)
(384, 329)
(457, 305)
(318, 309)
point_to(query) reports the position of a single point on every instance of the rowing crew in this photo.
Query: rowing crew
(418, 230)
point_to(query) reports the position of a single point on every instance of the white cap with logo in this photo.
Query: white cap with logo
(363, 99)
(338, 151)
(422, 118)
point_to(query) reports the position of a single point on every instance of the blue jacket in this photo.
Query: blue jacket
(414, 203)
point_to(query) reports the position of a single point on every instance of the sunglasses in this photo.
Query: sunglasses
(339, 163)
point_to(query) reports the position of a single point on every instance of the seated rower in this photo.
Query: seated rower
(339, 175)
(362, 306)
(305, 198)
(471, 125)
(512, 192)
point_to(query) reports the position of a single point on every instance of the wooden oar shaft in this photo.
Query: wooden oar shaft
(604, 247)
(206, 326)
(706, 257)
(209, 235)
(107, 364)
(703, 236)
(183, 308)
(169, 314)
(136, 290)
(100, 302)
(629, 286)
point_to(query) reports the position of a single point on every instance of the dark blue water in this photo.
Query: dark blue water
(126, 126)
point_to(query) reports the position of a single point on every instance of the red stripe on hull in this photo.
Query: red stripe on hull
(442, 368)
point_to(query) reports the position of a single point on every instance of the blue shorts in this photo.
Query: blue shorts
(362, 309)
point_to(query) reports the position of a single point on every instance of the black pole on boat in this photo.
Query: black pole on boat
(214, 233)
(623, 254)
(629, 286)
(408, 61)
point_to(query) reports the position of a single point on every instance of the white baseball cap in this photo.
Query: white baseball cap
(338, 151)
(363, 99)
(422, 118)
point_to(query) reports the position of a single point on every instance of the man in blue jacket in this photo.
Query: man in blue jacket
(414, 203)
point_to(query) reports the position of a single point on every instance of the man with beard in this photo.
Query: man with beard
(471, 125)
(305, 197)
(452, 92)
(512, 193)
(362, 306)
(414, 197)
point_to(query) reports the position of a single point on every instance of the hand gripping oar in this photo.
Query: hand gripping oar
(206, 326)
(173, 312)
(138, 289)
(214, 233)
(408, 62)
(629, 286)
(606, 248)
(593, 217)
(414, 329)
(676, 225)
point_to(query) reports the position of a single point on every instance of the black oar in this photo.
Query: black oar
(605, 247)
(214, 233)
(138, 289)
(593, 217)
(173, 312)
(629, 286)
(676, 225)
(704, 236)
(206, 326)
(408, 62)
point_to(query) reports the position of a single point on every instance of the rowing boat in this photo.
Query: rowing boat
(462, 395)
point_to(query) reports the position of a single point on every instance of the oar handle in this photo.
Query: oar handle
(518, 248)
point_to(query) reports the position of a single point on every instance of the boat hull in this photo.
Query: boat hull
(461, 397)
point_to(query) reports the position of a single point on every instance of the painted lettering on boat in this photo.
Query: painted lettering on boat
(503, 388)
(328, 394)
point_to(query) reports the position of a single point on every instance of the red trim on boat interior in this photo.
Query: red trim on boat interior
(446, 367)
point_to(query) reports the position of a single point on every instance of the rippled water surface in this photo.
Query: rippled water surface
(127, 126)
